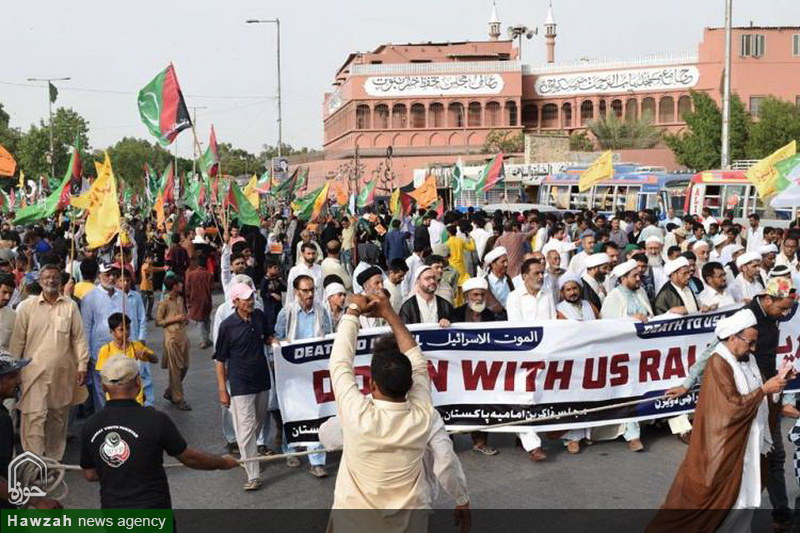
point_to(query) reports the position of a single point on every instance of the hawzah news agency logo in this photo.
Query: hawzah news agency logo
(35, 471)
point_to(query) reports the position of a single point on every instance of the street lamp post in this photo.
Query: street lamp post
(520, 31)
(277, 23)
(50, 114)
(197, 144)
(726, 91)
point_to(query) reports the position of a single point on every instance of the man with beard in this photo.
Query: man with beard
(553, 270)
(371, 282)
(49, 332)
(700, 250)
(99, 304)
(748, 282)
(654, 247)
(500, 284)
(306, 266)
(578, 262)
(425, 306)
(530, 304)
(597, 268)
(650, 279)
(475, 310)
(769, 252)
(715, 295)
(676, 296)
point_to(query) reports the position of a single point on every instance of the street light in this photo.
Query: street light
(50, 113)
(277, 23)
(726, 91)
(517, 32)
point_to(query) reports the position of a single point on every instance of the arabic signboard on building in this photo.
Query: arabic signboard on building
(434, 85)
(618, 81)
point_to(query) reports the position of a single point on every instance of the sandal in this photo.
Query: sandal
(485, 449)
(253, 484)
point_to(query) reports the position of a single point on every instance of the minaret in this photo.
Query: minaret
(550, 34)
(494, 24)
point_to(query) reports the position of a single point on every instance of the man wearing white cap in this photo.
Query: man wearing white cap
(700, 248)
(748, 282)
(676, 296)
(628, 299)
(239, 356)
(574, 305)
(475, 310)
(500, 284)
(769, 252)
(597, 268)
(718, 242)
(335, 294)
(653, 247)
(425, 306)
(732, 415)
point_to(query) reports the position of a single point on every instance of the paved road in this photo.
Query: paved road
(604, 476)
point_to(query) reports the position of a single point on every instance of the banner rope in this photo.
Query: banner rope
(280, 456)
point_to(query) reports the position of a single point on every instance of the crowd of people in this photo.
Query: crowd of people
(75, 313)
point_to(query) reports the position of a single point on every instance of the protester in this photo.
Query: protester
(715, 295)
(676, 296)
(332, 264)
(425, 306)
(398, 270)
(198, 287)
(171, 315)
(597, 268)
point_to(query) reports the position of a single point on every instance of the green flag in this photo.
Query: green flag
(456, 178)
(301, 182)
(43, 208)
(305, 206)
(53, 92)
(162, 108)
(242, 208)
(365, 195)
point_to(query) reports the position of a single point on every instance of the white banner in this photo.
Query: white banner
(434, 85)
(485, 374)
(617, 81)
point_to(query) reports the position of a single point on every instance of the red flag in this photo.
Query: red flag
(491, 174)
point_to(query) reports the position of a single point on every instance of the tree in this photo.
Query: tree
(615, 134)
(236, 161)
(777, 125)
(9, 137)
(34, 145)
(129, 156)
(580, 142)
(505, 141)
(699, 146)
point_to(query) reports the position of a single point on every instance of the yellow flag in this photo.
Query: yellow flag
(159, 208)
(394, 202)
(322, 197)
(21, 182)
(426, 193)
(103, 220)
(250, 191)
(601, 169)
(764, 174)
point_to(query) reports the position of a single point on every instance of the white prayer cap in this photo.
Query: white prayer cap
(495, 254)
(768, 249)
(700, 243)
(623, 268)
(475, 283)
(739, 321)
(654, 238)
(595, 260)
(334, 288)
(747, 258)
(726, 255)
(566, 278)
(676, 264)
(420, 269)
(719, 239)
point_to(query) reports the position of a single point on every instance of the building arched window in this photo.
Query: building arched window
(363, 117)
(474, 115)
(566, 115)
(631, 109)
(550, 116)
(616, 108)
(493, 114)
(418, 116)
(455, 115)
(601, 109)
(381, 117)
(436, 115)
(399, 117)
(684, 106)
(511, 113)
(530, 115)
(649, 109)
(666, 109)
(587, 112)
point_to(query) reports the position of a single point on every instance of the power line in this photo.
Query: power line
(112, 91)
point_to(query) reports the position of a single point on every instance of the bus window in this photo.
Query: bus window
(560, 196)
(578, 200)
(711, 199)
(603, 199)
(631, 199)
(765, 212)
(733, 199)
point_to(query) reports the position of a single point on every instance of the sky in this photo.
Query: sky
(112, 49)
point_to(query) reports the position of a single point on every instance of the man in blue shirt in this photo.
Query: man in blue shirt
(303, 319)
(99, 304)
(394, 245)
(239, 356)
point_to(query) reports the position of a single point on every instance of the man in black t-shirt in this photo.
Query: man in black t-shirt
(123, 445)
(9, 385)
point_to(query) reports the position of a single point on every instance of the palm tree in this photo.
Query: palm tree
(615, 134)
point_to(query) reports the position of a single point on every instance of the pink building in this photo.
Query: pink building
(438, 101)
